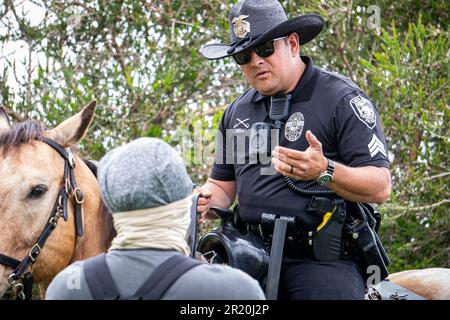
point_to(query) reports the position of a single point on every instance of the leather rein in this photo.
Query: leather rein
(21, 280)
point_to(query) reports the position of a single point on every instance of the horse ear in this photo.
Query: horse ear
(4, 120)
(72, 130)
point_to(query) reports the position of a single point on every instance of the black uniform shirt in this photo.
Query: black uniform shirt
(336, 111)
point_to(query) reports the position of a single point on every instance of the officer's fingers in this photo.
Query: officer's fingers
(313, 141)
(302, 168)
(279, 163)
(289, 153)
(205, 193)
(297, 173)
(203, 201)
(198, 190)
(202, 204)
(290, 161)
(201, 209)
(281, 166)
(276, 163)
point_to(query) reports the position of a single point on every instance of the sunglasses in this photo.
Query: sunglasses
(263, 50)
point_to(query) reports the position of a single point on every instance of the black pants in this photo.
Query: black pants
(308, 279)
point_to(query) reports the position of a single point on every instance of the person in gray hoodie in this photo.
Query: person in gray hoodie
(145, 186)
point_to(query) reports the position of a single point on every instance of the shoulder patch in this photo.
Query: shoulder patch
(364, 110)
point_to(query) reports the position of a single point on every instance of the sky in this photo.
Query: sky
(19, 50)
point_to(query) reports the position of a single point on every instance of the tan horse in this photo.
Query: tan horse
(31, 176)
(431, 283)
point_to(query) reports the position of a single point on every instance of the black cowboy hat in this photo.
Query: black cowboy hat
(253, 22)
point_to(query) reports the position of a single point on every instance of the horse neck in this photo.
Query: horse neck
(98, 225)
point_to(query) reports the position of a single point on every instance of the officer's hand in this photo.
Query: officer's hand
(301, 165)
(203, 204)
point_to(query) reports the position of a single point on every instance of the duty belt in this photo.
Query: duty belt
(298, 237)
(327, 241)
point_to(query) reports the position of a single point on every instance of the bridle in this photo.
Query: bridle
(21, 281)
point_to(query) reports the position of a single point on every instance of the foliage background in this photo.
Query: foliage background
(140, 61)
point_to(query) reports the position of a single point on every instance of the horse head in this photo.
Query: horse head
(46, 191)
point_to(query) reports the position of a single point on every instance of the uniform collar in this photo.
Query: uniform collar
(305, 86)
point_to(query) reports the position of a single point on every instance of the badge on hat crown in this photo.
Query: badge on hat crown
(241, 27)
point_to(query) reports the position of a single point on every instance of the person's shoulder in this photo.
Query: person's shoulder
(58, 287)
(68, 284)
(246, 97)
(215, 282)
(338, 88)
(225, 270)
(336, 85)
(232, 108)
(337, 79)
(234, 283)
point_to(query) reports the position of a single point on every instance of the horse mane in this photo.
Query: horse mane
(22, 133)
(91, 165)
(108, 224)
(108, 234)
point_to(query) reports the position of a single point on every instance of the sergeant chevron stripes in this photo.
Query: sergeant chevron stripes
(375, 146)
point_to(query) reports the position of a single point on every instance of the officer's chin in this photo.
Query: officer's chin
(266, 88)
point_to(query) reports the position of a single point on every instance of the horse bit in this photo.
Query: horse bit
(21, 281)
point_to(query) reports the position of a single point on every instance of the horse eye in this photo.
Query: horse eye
(38, 191)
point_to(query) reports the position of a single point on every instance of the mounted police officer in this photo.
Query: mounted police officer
(298, 132)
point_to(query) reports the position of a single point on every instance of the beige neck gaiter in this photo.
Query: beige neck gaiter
(162, 227)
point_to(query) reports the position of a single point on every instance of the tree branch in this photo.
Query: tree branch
(440, 175)
(415, 208)
(15, 115)
(29, 72)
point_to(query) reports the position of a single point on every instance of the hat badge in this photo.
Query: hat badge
(241, 27)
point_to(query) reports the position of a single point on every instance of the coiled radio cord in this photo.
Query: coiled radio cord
(293, 184)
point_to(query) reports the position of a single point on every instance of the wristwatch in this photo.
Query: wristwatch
(327, 176)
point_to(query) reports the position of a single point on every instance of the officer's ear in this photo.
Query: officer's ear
(294, 43)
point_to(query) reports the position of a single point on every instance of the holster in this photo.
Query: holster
(327, 238)
(362, 233)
